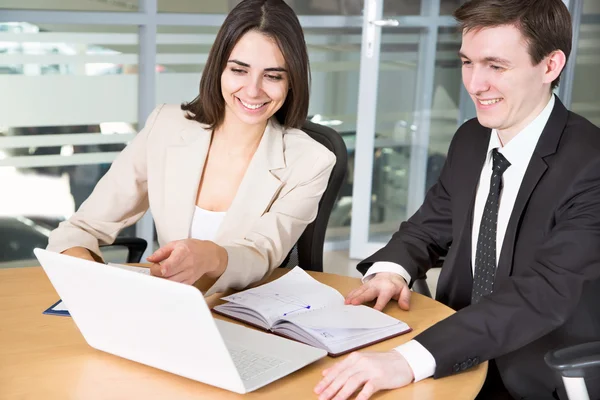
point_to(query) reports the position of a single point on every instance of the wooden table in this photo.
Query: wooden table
(45, 357)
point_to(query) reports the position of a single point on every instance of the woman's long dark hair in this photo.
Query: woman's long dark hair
(277, 20)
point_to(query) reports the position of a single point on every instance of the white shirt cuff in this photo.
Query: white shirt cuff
(386, 266)
(418, 358)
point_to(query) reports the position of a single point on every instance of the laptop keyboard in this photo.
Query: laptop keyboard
(250, 364)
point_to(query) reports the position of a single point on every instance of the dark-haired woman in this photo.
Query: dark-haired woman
(229, 178)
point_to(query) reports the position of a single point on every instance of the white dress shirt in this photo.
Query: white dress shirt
(518, 152)
(206, 224)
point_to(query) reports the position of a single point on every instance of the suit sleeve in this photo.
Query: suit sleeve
(425, 236)
(272, 237)
(518, 312)
(119, 200)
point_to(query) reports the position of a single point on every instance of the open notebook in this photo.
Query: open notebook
(299, 307)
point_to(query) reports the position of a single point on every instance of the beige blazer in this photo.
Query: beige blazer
(161, 169)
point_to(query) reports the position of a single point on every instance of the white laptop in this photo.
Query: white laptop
(168, 325)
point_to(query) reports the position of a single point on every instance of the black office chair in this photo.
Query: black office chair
(575, 363)
(308, 251)
(135, 247)
(420, 285)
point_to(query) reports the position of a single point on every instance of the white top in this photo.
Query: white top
(206, 224)
(518, 152)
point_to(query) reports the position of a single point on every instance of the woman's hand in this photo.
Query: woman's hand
(188, 260)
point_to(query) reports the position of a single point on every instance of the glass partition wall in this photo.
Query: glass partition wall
(78, 79)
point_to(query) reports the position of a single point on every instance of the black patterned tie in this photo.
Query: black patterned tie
(485, 257)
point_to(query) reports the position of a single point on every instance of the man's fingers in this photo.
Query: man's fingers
(368, 390)
(370, 293)
(383, 298)
(332, 372)
(328, 376)
(383, 289)
(338, 383)
(352, 383)
(354, 293)
(404, 298)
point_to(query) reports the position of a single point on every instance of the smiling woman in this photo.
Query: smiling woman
(259, 40)
(255, 81)
(231, 182)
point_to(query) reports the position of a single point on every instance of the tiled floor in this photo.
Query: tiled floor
(337, 262)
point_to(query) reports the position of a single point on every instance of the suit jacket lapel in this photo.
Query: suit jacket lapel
(258, 187)
(547, 145)
(184, 164)
(470, 176)
(479, 142)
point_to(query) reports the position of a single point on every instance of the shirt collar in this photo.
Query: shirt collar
(521, 147)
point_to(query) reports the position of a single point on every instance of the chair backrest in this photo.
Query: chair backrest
(576, 364)
(308, 251)
(135, 247)
(421, 286)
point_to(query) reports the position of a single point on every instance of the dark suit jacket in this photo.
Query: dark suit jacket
(547, 289)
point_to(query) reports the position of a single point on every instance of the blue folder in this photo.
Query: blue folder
(52, 310)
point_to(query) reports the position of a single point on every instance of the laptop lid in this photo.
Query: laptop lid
(153, 321)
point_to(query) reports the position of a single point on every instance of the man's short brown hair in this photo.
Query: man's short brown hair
(275, 19)
(545, 24)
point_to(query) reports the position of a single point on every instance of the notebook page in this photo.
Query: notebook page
(337, 341)
(341, 340)
(341, 328)
(344, 317)
(294, 293)
(140, 270)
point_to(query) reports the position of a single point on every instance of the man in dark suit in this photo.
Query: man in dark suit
(515, 213)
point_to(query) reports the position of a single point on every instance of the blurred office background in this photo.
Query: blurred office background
(79, 77)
